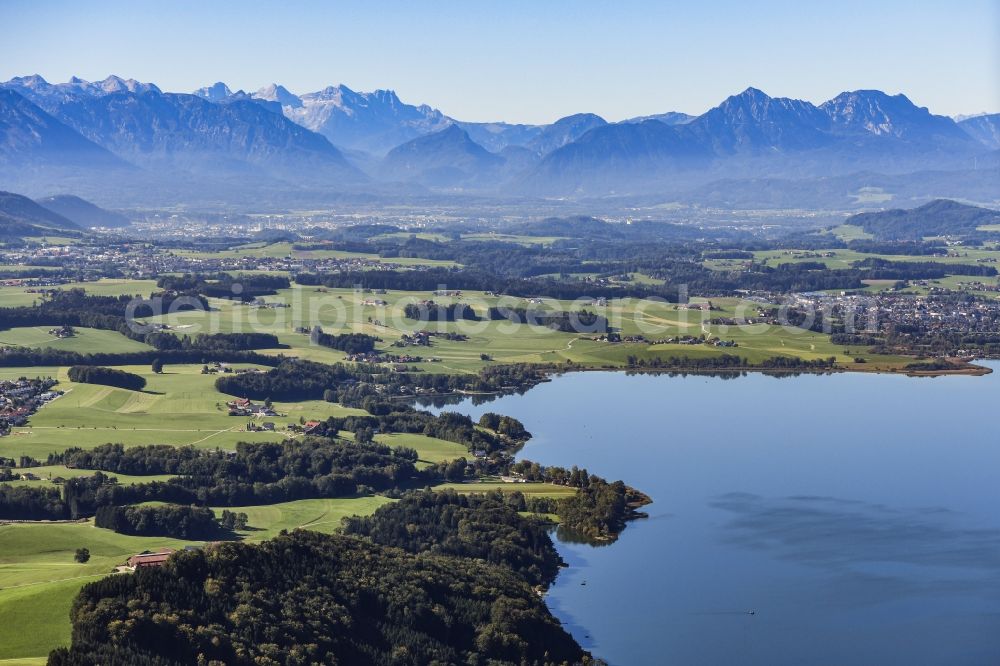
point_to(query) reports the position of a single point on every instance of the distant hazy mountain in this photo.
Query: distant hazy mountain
(374, 121)
(50, 95)
(609, 157)
(279, 94)
(985, 129)
(449, 158)
(874, 113)
(170, 130)
(563, 131)
(495, 137)
(753, 123)
(31, 138)
(81, 212)
(670, 118)
(217, 92)
(275, 140)
(20, 216)
(752, 134)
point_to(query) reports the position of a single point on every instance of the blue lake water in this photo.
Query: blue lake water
(857, 515)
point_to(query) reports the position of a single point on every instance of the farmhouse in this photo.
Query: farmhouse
(148, 559)
(62, 332)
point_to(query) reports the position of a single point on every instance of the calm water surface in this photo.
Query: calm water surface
(857, 515)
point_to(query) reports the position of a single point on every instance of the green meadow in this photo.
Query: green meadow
(341, 310)
(842, 258)
(39, 577)
(179, 407)
(20, 296)
(285, 249)
(86, 340)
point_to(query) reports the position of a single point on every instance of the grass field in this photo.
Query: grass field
(320, 515)
(285, 249)
(429, 449)
(39, 578)
(178, 407)
(844, 258)
(19, 296)
(339, 310)
(86, 340)
(46, 473)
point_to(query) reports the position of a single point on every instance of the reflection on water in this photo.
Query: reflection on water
(854, 515)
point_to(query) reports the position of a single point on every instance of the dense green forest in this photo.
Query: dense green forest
(180, 522)
(306, 598)
(478, 526)
(95, 374)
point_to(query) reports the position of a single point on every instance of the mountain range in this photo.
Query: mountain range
(224, 144)
(59, 214)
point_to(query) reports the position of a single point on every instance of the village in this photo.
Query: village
(21, 398)
(79, 262)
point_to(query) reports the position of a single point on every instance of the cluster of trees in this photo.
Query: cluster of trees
(77, 500)
(877, 268)
(31, 503)
(305, 598)
(597, 512)
(95, 374)
(909, 248)
(485, 527)
(727, 361)
(449, 426)
(74, 307)
(366, 385)
(171, 520)
(213, 342)
(244, 286)
(431, 311)
(567, 322)
(291, 380)
(256, 473)
(22, 357)
(351, 343)
(504, 425)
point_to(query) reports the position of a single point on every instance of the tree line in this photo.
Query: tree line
(95, 374)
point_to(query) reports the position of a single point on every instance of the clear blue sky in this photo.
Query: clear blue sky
(526, 61)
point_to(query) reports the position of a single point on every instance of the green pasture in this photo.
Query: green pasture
(286, 249)
(86, 340)
(179, 407)
(39, 577)
(842, 258)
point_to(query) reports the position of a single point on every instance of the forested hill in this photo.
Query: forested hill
(941, 217)
(307, 598)
(20, 216)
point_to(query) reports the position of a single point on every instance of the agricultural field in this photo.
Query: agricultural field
(342, 310)
(39, 577)
(320, 515)
(179, 407)
(513, 238)
(20, 296)
(285, 249)
(48, 473)
(85, 340)
(842, 258)
(429, 449)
